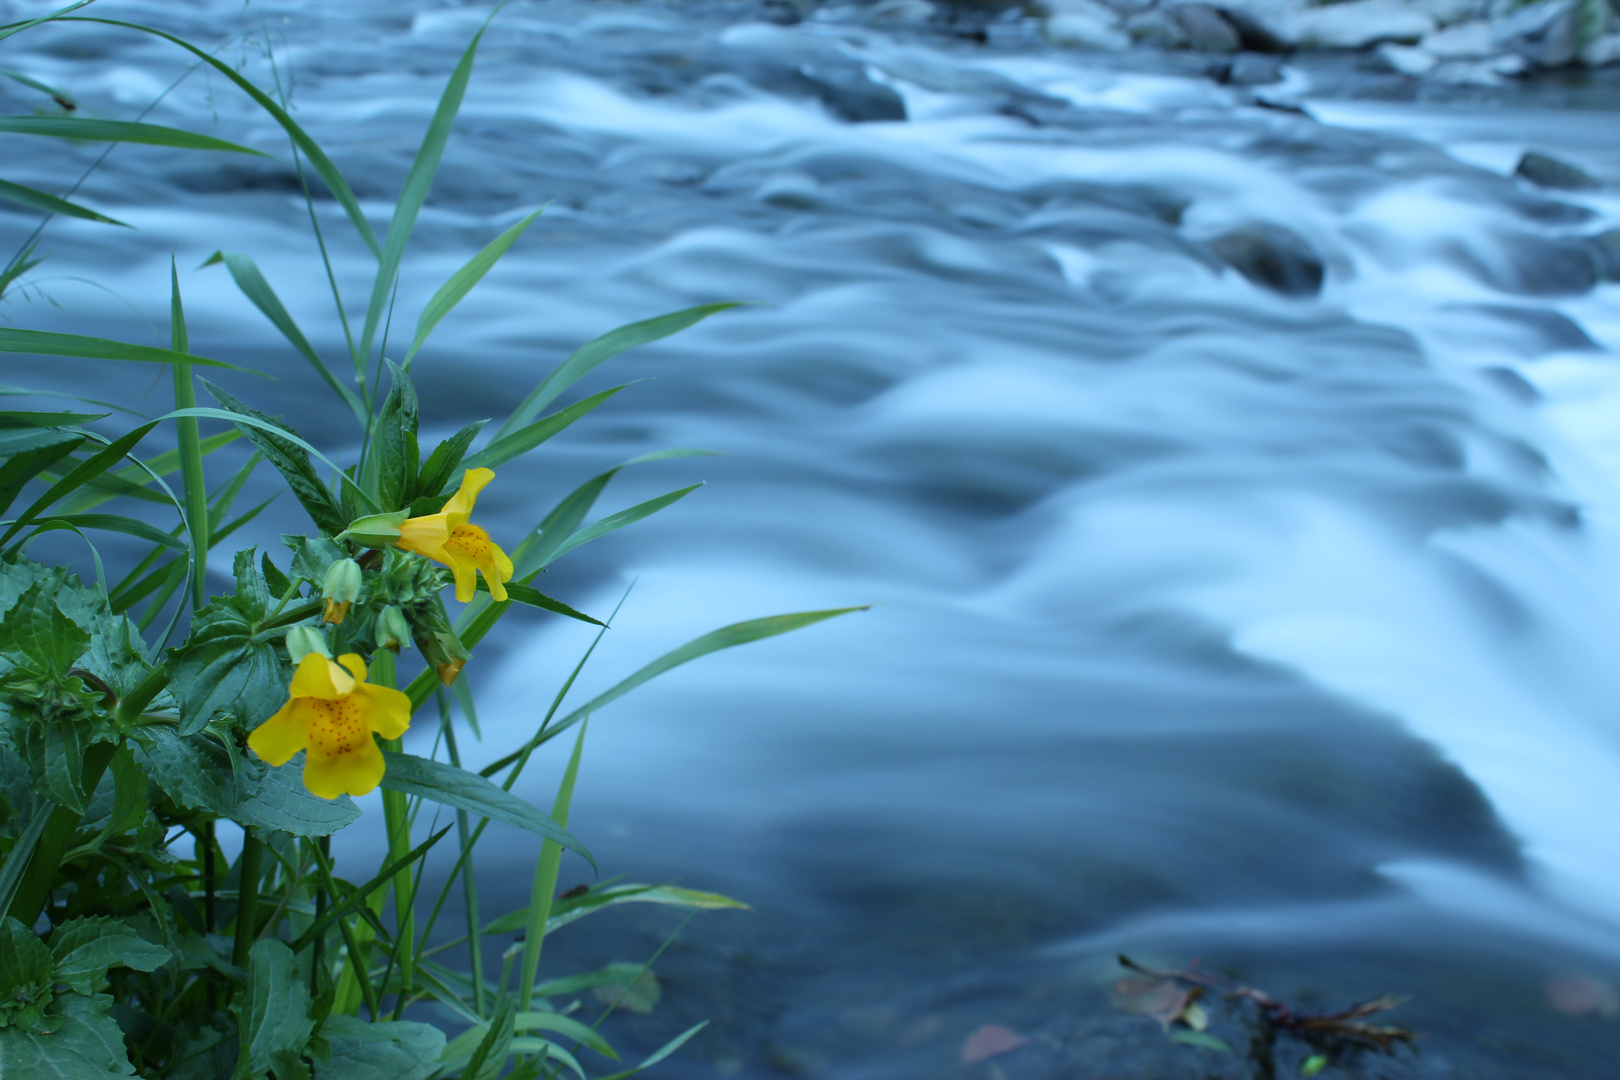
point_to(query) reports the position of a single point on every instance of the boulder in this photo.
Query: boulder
(849, 95)
(1543, 33)
(1206, 29)
(1266, 26)
(1153, 27)
(1605, 249)
(1602, 51)
(1408, 60)
(1272, 257)
(1357, 24)
(901, 11)
(1086, 30)
(1546, 171)
(1470, 40)
(1446, 12)
(1254, 69)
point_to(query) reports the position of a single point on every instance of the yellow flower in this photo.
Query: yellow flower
(331, 711)
(448, 537)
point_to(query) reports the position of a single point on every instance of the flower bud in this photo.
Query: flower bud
(376, 530)
(445, 652)
(393, 629)
(342, 589)
(303, 640)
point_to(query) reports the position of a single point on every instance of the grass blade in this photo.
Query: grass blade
(545, 878)
(506, 447)
(592, 354)
(67, 127)
(620, 520)
(50, 204)
(116, 523)
(47, 343)
(17, 28)
(94, 465)
(462, 281)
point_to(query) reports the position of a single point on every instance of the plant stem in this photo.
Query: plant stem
(190, 447)
(54, 842)
(247, 896)
(396, 818)
(469, 884)
(545, 879)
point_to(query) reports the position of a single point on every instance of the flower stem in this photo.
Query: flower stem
(396, 818)
(247, 892)
(35, 887)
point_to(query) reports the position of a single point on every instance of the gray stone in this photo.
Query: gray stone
(850, 95)
(1254, 69)
(1357, 24)
(1086, 31)
(1206, 29)
(1463, 41)
(1546, 171)
(1272, 257)
(1408, 60)
(1446, 12)
(1267, 26)
(1601, 52)
(1543, 33)
(1157, 29)
(901, 11)
(1605, 249)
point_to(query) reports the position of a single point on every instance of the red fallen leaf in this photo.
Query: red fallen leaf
(988, 1041)
(1578, 994)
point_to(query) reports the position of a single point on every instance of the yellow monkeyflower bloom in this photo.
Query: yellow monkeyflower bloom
(448, 537)
(331, 711)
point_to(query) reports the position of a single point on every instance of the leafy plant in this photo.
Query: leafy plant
(129, 942)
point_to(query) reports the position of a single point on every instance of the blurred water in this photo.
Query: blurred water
(1209, 621)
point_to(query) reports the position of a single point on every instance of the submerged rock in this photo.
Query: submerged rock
(1272, 257)
(1357, 24)
(1546, 171)
(850, 95)
(1605, 249)
(1206, 29)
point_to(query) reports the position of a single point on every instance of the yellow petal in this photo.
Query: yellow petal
(283, 735)
(387, 712)
(460, 506)
(465, 572)
(318, 677)
(352, 772)
(492, 565)
(355, 665)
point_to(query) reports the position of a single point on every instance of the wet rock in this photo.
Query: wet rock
(1254, 69)
(1605, 249)
(1357, 24)
(1408, 60)
(1538, 266)
(901, 11)
(1272, 257)
(1091, 27)
(1601, 51)
(1266, 26)
(1543, 33)
(1206, 29)
(850, 95)
(1470, 40)
(1446, 12)
(1497, 71)
(1546, 171)
(1157, 29)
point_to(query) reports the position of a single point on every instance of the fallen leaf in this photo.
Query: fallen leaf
(638, 992)
(988, 1041)
(1161, 999)
(1579, 994)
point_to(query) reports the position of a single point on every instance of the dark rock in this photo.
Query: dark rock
(1205, 28)
(1539, 266)
(1548, 172)
(1157, 29)
(1253, 34)
(1253, 69)
(850, 95)
(1605, 249)
(1272, 257)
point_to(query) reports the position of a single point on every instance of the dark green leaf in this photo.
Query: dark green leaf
(274, 579)
(46, 343)
(61, 97)
(50, 204)
(313, 556)
(273, 1011)
(26, 976)
(441, 465)
(79, 475)
(281, 802)
(86, 1044)
(488, 1059)
(67, 127)
(85, 948)
(195, 772)
(660, 1054)
(569, 1028)
(291, 460)
(391, 1050)
(395, 459)
(35, 629)
(449, 786)
(589, 356)
(462, 281)
(21, 419)
(29, 453)
(225, 666)
(506, 447)
(524, 594)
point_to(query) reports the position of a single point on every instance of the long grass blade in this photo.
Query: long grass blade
(545, 878)
(620, 520)
(462, 281)
(17, 28)
(35, 199)
(48, 343)
(67, 127)
(94, 465)
(506, 447)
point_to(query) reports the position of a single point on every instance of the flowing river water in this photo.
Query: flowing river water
(1210, 621)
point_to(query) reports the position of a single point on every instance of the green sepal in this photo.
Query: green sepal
(375, 530)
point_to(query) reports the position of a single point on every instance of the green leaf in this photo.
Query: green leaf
(118, 523)
(62, 97)
(47, 343)
(391, 1050)
(449, 786)
(226, 665)
(273, 1010)
(245, 272)
(313, 556)
(589, 356)
(462, 281)
(488, 1059)
(86, 1044)
(50, 204)
(67, 127)
(26, 977)
(79, 475)
(569, 1028)
(85, 948)
(1313, 1065)
(290, 459)
(36, 629)
(524, 594)
(635, 988)
(660, 1054)
(281, 802)
(29, 453)
(566, 911)
(724, 638)
(195, 772)
(394, 456)
(620, 520)
(414, 193)
(441, 465)
(1201, 1039)
(506, 447)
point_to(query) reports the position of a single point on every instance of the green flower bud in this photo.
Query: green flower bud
(376, 530)
(342, 589)
(303, 640)
(393, 629)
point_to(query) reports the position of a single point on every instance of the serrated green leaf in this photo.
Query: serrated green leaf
(223, 668)
(391, 1050)
(289, 459)
(459, 789)
(441, 465)
(462, 281)
(36, 630)
(313, 556)
(35, 199)
(67, 127)
(273, 1010)
(195, 772)
(26, 977)
(394, 458)
(589, 356)
(85, 948)
(86, 1044)
(506, 447)
(279, 801)
(54, 750)
(488, 1058)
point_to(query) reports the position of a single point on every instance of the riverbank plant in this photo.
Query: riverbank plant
(175, 757)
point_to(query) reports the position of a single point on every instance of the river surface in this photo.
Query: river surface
(1208, 621)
